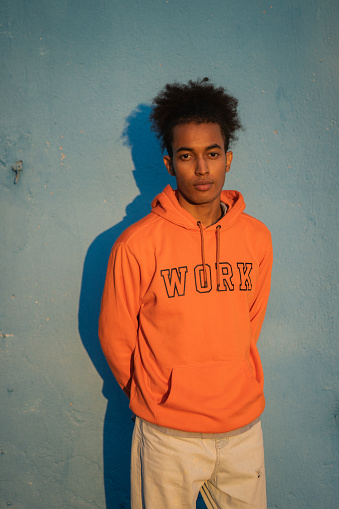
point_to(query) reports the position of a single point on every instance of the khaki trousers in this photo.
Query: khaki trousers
(167, 472)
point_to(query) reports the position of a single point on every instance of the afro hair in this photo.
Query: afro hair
(197, 101)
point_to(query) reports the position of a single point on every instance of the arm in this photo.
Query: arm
(118, 321)
(262, 291)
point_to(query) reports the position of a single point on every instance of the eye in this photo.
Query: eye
(185, 157)
(214, 155)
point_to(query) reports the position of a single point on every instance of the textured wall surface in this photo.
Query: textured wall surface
(77, 79)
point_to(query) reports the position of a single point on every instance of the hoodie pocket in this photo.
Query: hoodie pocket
(212, 389)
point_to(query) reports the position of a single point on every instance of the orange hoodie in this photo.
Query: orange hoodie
(181, 314)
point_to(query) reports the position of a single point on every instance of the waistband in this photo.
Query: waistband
(189, 434)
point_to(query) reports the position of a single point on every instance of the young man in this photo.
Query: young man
(184, 301)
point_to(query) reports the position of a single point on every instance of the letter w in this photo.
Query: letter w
(175, 280)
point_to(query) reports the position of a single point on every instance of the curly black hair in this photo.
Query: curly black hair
(197, 101)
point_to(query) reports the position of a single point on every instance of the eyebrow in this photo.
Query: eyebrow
(188, 149)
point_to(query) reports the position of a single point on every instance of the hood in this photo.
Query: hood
(166, 205)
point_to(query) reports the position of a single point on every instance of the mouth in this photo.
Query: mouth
(203, 185)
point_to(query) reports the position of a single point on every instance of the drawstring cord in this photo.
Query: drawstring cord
(218, 254)
(203, 253)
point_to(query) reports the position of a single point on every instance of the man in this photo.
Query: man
(183, 304)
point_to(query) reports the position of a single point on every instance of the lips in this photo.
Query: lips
(203, 185)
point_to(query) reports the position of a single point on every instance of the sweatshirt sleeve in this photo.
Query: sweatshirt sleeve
(262, 291)
(118, 321)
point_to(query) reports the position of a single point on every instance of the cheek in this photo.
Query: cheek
(182, 175)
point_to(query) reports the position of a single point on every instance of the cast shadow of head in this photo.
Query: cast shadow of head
(151, 177)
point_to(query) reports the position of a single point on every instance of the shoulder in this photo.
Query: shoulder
(256, 224)
(257, 232)
(134, 248)
(138, 230)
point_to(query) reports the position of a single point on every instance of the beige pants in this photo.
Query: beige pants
(167, 472)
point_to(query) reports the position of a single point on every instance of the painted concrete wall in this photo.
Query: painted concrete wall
(76, 83)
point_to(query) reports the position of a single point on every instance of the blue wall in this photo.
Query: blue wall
(76, 83)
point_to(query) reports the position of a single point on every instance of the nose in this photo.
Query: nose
(201, 166)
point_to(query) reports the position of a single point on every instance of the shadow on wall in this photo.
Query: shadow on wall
(151, 177)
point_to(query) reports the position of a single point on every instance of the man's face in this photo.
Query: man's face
(199, 163)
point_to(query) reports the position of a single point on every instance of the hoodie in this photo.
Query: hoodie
(181, 314)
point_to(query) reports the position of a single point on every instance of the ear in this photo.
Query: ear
(169, 165)
(229, 158)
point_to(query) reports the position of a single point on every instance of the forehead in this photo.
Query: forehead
(197, 135)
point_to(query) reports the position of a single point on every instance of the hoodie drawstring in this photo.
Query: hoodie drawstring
(218, 255)
(203, 253)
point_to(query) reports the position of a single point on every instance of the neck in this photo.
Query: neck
(206, 213)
